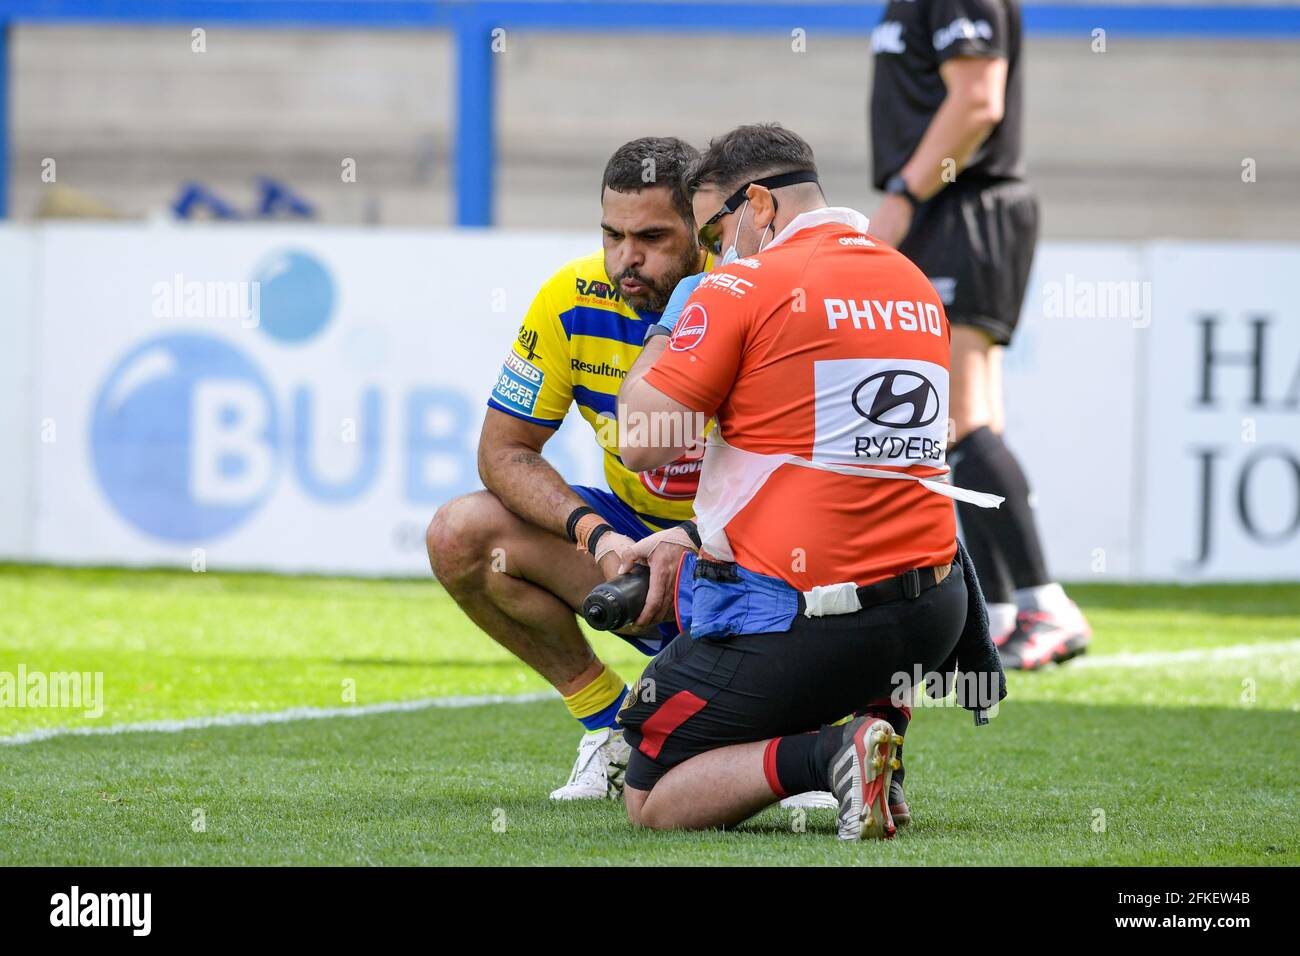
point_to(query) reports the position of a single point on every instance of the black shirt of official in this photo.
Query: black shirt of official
(913, 40)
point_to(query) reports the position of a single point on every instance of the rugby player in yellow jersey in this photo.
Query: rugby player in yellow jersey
(520, 556)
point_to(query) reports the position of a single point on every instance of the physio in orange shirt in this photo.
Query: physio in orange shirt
(825, 532)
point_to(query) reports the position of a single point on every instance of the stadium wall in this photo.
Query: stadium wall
(303, 398)
(1145, 140)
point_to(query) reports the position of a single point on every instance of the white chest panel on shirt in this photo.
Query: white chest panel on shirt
(880, 411)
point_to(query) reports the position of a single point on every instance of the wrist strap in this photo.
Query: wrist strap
(692, 532)
(574, 516)
(597, 533)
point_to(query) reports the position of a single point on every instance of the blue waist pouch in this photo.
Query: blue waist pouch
(716, 600)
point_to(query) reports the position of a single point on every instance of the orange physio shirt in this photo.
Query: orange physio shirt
(833, 347)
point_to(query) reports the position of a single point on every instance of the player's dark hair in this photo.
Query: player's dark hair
(650, 162)
(748, 153)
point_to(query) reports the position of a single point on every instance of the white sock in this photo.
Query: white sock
(1047, 598)
(1002, 618)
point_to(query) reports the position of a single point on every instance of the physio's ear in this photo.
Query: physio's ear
(762, 205)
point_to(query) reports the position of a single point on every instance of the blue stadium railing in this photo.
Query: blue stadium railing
(471, 23)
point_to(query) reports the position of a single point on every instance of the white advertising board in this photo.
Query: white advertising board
(303, 398)
(1220, 456)
(298, 399)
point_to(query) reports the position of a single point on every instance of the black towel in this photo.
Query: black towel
(974, 657)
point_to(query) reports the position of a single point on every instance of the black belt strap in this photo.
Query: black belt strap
(911, 584)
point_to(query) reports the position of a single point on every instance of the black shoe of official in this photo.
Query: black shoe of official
(861, 771)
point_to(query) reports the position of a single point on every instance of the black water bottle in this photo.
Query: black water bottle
(619, 602)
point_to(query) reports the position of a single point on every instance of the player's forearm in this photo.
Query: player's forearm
(526, 483)
(956, 132)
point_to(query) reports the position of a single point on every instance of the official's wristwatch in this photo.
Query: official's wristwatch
(896, 185)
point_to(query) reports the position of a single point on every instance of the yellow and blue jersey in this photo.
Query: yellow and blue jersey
(576, 343)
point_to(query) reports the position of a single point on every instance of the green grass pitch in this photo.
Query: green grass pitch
(1175, 741)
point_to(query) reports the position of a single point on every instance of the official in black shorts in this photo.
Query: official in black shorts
(975, 241)
(946, 123)
(963, 212)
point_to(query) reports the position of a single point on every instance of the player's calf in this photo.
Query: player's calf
(519, 583)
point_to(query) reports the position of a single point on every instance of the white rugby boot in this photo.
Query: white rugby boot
(598, 771)
(812, 800)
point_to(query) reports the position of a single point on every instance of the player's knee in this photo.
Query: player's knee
(457, 536)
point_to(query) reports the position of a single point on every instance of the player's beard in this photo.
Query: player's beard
(658, 291)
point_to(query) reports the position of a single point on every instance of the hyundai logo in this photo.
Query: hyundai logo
(897, 399)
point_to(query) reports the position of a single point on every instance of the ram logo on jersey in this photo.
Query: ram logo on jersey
(596, 289)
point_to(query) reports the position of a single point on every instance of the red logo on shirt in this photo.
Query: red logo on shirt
(690, 328)
(679, 479)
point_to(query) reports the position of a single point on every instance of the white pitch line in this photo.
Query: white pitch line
(1209, 655)
(275, 717)
(1201, 655)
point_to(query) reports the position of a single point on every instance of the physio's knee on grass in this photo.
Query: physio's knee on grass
(642, 811)
(633, 801)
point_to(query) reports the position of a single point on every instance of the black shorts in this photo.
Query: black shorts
(700, 694)
(975, 241)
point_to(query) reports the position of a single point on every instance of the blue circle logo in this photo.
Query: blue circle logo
(294, 296)
(185, 437)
